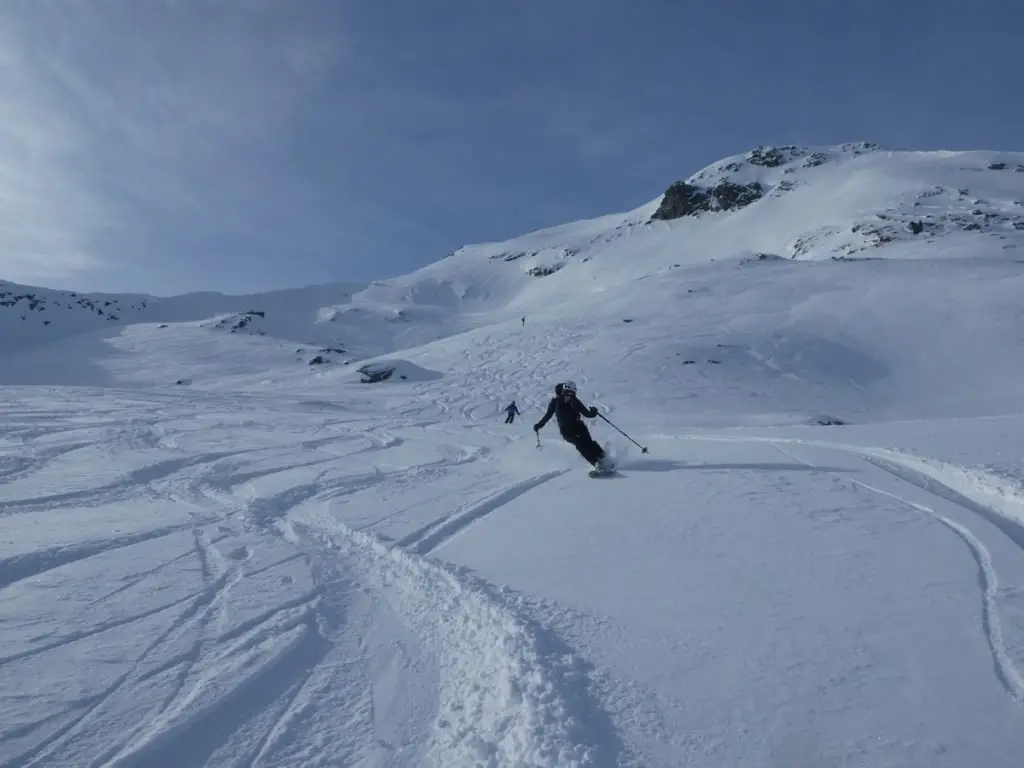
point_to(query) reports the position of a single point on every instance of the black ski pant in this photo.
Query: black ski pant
(580, 437)
(510, 418)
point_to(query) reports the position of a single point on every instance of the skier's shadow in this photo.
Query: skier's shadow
(665, 465)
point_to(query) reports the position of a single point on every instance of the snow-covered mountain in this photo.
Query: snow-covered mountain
(789, 268)
(292, 529)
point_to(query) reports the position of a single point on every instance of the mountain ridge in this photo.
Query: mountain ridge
(753, 279)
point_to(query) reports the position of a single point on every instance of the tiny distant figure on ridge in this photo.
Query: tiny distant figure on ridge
(524, 320)
(512, 412)
(568, 411)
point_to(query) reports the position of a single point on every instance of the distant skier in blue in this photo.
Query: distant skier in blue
(512, 412)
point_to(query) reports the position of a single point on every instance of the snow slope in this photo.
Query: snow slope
(217, 552)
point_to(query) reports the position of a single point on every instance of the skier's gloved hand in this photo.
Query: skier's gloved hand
(536, 427)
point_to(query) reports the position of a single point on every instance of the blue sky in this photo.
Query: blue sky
(171, 145)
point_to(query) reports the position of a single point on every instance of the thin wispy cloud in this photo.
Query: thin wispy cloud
(146, 124)
(47, 213)
(171, 145)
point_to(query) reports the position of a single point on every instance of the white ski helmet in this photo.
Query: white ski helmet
(569, 386)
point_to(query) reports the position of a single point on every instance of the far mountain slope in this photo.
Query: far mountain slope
(787, 280)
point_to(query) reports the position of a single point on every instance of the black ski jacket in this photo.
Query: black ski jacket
(568, 413)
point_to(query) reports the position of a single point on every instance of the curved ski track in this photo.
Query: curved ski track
(428, 538)
(255, 656)
(507, 697)
(216, 682)
(933, 477)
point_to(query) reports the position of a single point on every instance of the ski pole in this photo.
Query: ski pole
(634, 442)
(538, 439)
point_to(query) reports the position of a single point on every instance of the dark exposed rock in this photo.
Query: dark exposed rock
(507, 256)
(318, 360)
(828, 421)
(769, 157)
(682, 199)
(996, 166)
(915, 227)
(544, 271)
(731, 195)
(732, 167)
(373, 374)
(239, 321)
(858, 148)
(877, 235)
(761, 257)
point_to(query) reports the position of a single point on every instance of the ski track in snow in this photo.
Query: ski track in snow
(932, 476)
(213, 685)
(507, 697)
(19, 567)
(508, 694)
(1005, 669)
(427, 539)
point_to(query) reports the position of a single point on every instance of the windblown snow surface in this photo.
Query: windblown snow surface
(217, 550)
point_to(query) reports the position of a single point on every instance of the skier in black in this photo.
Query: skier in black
(512, 412)
(568, 412)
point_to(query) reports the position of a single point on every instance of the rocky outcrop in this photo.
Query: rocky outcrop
(815, 159)
(762, 257)
(544, 271)
(683, 199)
(933, 213)
(324, 355)
(240, 321)
(109, 309)
(827, 421)
(896, 225)
(769, 157)
(729, 195)
(377, 372)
